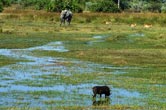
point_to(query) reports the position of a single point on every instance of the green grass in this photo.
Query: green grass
(7, 61)
(13, 41)
(122, 46)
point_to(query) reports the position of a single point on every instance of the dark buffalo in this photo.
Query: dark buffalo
(101, 90)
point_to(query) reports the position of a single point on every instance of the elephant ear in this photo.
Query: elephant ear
(63, 13)
(69, 13)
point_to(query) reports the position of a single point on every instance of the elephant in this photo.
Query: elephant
(66, 15)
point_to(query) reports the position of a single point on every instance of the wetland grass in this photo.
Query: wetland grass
(6, 60)
(122, 47)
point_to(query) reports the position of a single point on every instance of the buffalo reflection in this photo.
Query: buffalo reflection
(99, 102)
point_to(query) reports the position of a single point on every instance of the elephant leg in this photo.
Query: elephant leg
(62, 22)
(68, 21)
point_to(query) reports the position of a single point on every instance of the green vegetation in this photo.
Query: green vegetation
(6, 60)
(105, 6)
(22, 41)
(117, 44)
(118, 107)
(90, 5)
(1, 7)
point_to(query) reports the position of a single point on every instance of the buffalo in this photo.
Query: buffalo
(66, 15)
(101, 90)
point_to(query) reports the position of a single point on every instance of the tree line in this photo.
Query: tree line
(113, 6)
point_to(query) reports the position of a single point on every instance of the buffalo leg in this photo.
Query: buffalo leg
(94, 96)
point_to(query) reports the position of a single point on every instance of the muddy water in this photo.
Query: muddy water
(15, 93)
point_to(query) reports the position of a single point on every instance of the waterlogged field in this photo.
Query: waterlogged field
(45, 66)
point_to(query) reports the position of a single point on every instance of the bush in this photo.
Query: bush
(57, 6)
(1, 7)
(26, 3)
(155, 7)
(5, 2)
(163, 8)
(41, 4)
(105, 6)
(54, 6)
(77, 8)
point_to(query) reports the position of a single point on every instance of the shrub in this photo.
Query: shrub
(54, 6)
(26, 3)
(77, 8)
(1, 7)
(105, 6)
(5, 2)
(155, 7)
(163, 8)
(57, 6)
(41, 4)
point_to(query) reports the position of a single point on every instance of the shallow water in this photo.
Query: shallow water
(97, 39)
(15, 93)
(137, 35)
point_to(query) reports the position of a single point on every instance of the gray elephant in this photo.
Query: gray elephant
(66, 15)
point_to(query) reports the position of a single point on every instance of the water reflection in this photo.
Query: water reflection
(101, 101)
